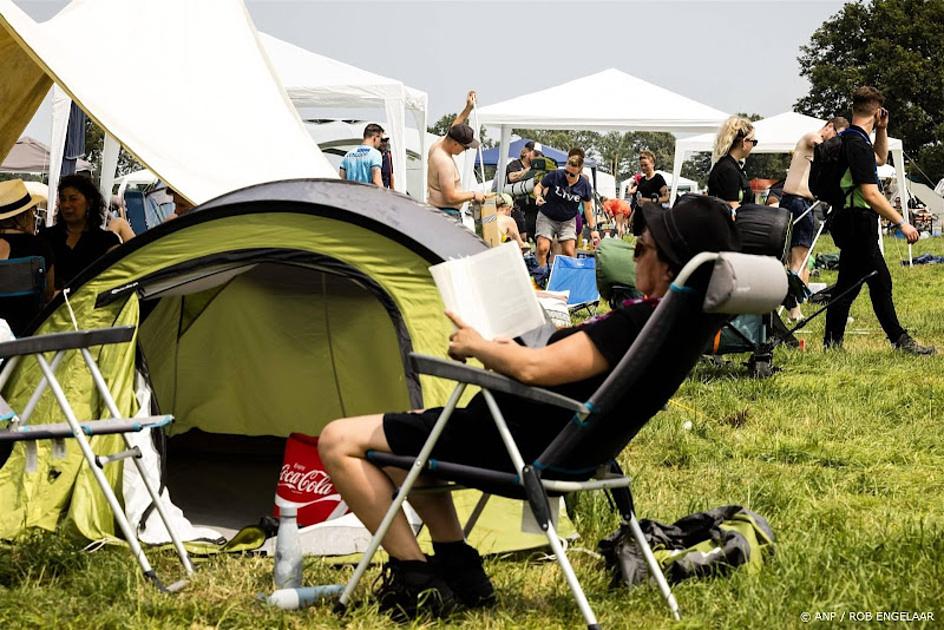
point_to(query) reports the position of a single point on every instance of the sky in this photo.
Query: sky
(734, 56)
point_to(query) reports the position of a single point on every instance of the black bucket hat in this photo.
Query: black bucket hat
(697, 223)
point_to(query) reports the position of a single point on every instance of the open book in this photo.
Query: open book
(490, 291)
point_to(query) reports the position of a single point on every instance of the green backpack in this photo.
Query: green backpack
(699, 545)
(616, 271)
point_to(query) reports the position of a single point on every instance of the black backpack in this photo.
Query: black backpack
(828, 167)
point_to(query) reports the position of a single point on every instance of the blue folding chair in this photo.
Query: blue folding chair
(578, 276)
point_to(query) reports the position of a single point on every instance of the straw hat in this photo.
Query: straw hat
(16, 198)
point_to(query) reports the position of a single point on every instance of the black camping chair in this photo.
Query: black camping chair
(582, 456)
(23, 279)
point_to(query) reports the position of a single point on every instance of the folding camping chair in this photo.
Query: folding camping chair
(582, 456)
(578, 276)
(19, 429)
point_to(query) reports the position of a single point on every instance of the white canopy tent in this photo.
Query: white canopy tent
(610, 100)
(313, 80)
(201, 49)
(777, 134)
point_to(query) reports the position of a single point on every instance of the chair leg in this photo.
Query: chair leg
(476, 513)
(399, 497)
(623, 497)
(109, 493)
(571, 577)
(654, 567)
(155, 495)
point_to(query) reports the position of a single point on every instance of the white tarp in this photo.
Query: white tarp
(313, 80)
(777, 134)
(194, 53)
(610, 100)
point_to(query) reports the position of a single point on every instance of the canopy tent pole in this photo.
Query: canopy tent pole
(395, 110)
(61, 105)
(420, 116)
(899, 157)
(503, 155)
(109, 167)
(676, 171)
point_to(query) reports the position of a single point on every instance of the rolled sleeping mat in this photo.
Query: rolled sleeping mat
(520, 189)
(764, 230)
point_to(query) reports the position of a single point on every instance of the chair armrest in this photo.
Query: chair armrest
(492, 381)
(65, 341)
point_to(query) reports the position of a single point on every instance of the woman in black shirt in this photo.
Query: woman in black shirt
(78, 239)
(18, 240)
(651, 186)
(727, 180)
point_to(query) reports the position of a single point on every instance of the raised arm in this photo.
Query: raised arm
(881, 138)
(464, 114)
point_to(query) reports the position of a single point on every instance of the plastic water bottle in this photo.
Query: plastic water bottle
(288, 551)
(295, 598)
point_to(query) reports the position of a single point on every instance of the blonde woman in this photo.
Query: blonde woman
(727, 180)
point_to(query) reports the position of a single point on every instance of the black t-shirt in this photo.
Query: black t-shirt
(525, 204)
(20, 310)
(562, 201)
(535, 425)
(860, 158)
(71, 260)
(650, 188)
(728, 182)
(386, 168)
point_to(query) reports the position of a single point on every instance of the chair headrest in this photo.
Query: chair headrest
(745, 284)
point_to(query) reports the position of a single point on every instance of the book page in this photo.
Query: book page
(491, 292)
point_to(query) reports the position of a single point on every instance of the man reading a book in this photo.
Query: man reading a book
(574, 363)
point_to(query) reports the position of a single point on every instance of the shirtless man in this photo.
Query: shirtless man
(797, 198)
(443, 187)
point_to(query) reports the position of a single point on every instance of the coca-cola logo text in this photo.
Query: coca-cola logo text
(297, 479)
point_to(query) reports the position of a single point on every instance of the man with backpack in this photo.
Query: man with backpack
(847, 178)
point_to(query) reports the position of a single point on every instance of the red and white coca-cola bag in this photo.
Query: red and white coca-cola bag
(303, 481)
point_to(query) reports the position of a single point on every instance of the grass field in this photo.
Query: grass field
(842, 451)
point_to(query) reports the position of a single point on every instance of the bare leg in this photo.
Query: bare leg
(569, 248)
(435, 508)
(797, 256)
(544, 246)
(366, 489)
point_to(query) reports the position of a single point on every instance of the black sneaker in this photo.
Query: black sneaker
(411, 588)
(461, 566)
(908, 345)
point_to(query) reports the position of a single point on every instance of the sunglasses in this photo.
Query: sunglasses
(571, 175)
(753, 141)
(640, 249)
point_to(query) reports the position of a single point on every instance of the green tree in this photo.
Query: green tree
(895, 45)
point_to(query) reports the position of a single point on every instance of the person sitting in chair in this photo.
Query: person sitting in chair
(574, 363)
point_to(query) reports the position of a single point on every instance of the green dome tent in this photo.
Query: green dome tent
(266, 311)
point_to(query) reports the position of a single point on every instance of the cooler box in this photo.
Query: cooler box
(303, 481)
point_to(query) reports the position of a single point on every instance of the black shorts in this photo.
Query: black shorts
(470, 436)
(805, 229)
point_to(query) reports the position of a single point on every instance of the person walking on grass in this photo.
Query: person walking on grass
(797, 198)
(857, 205)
